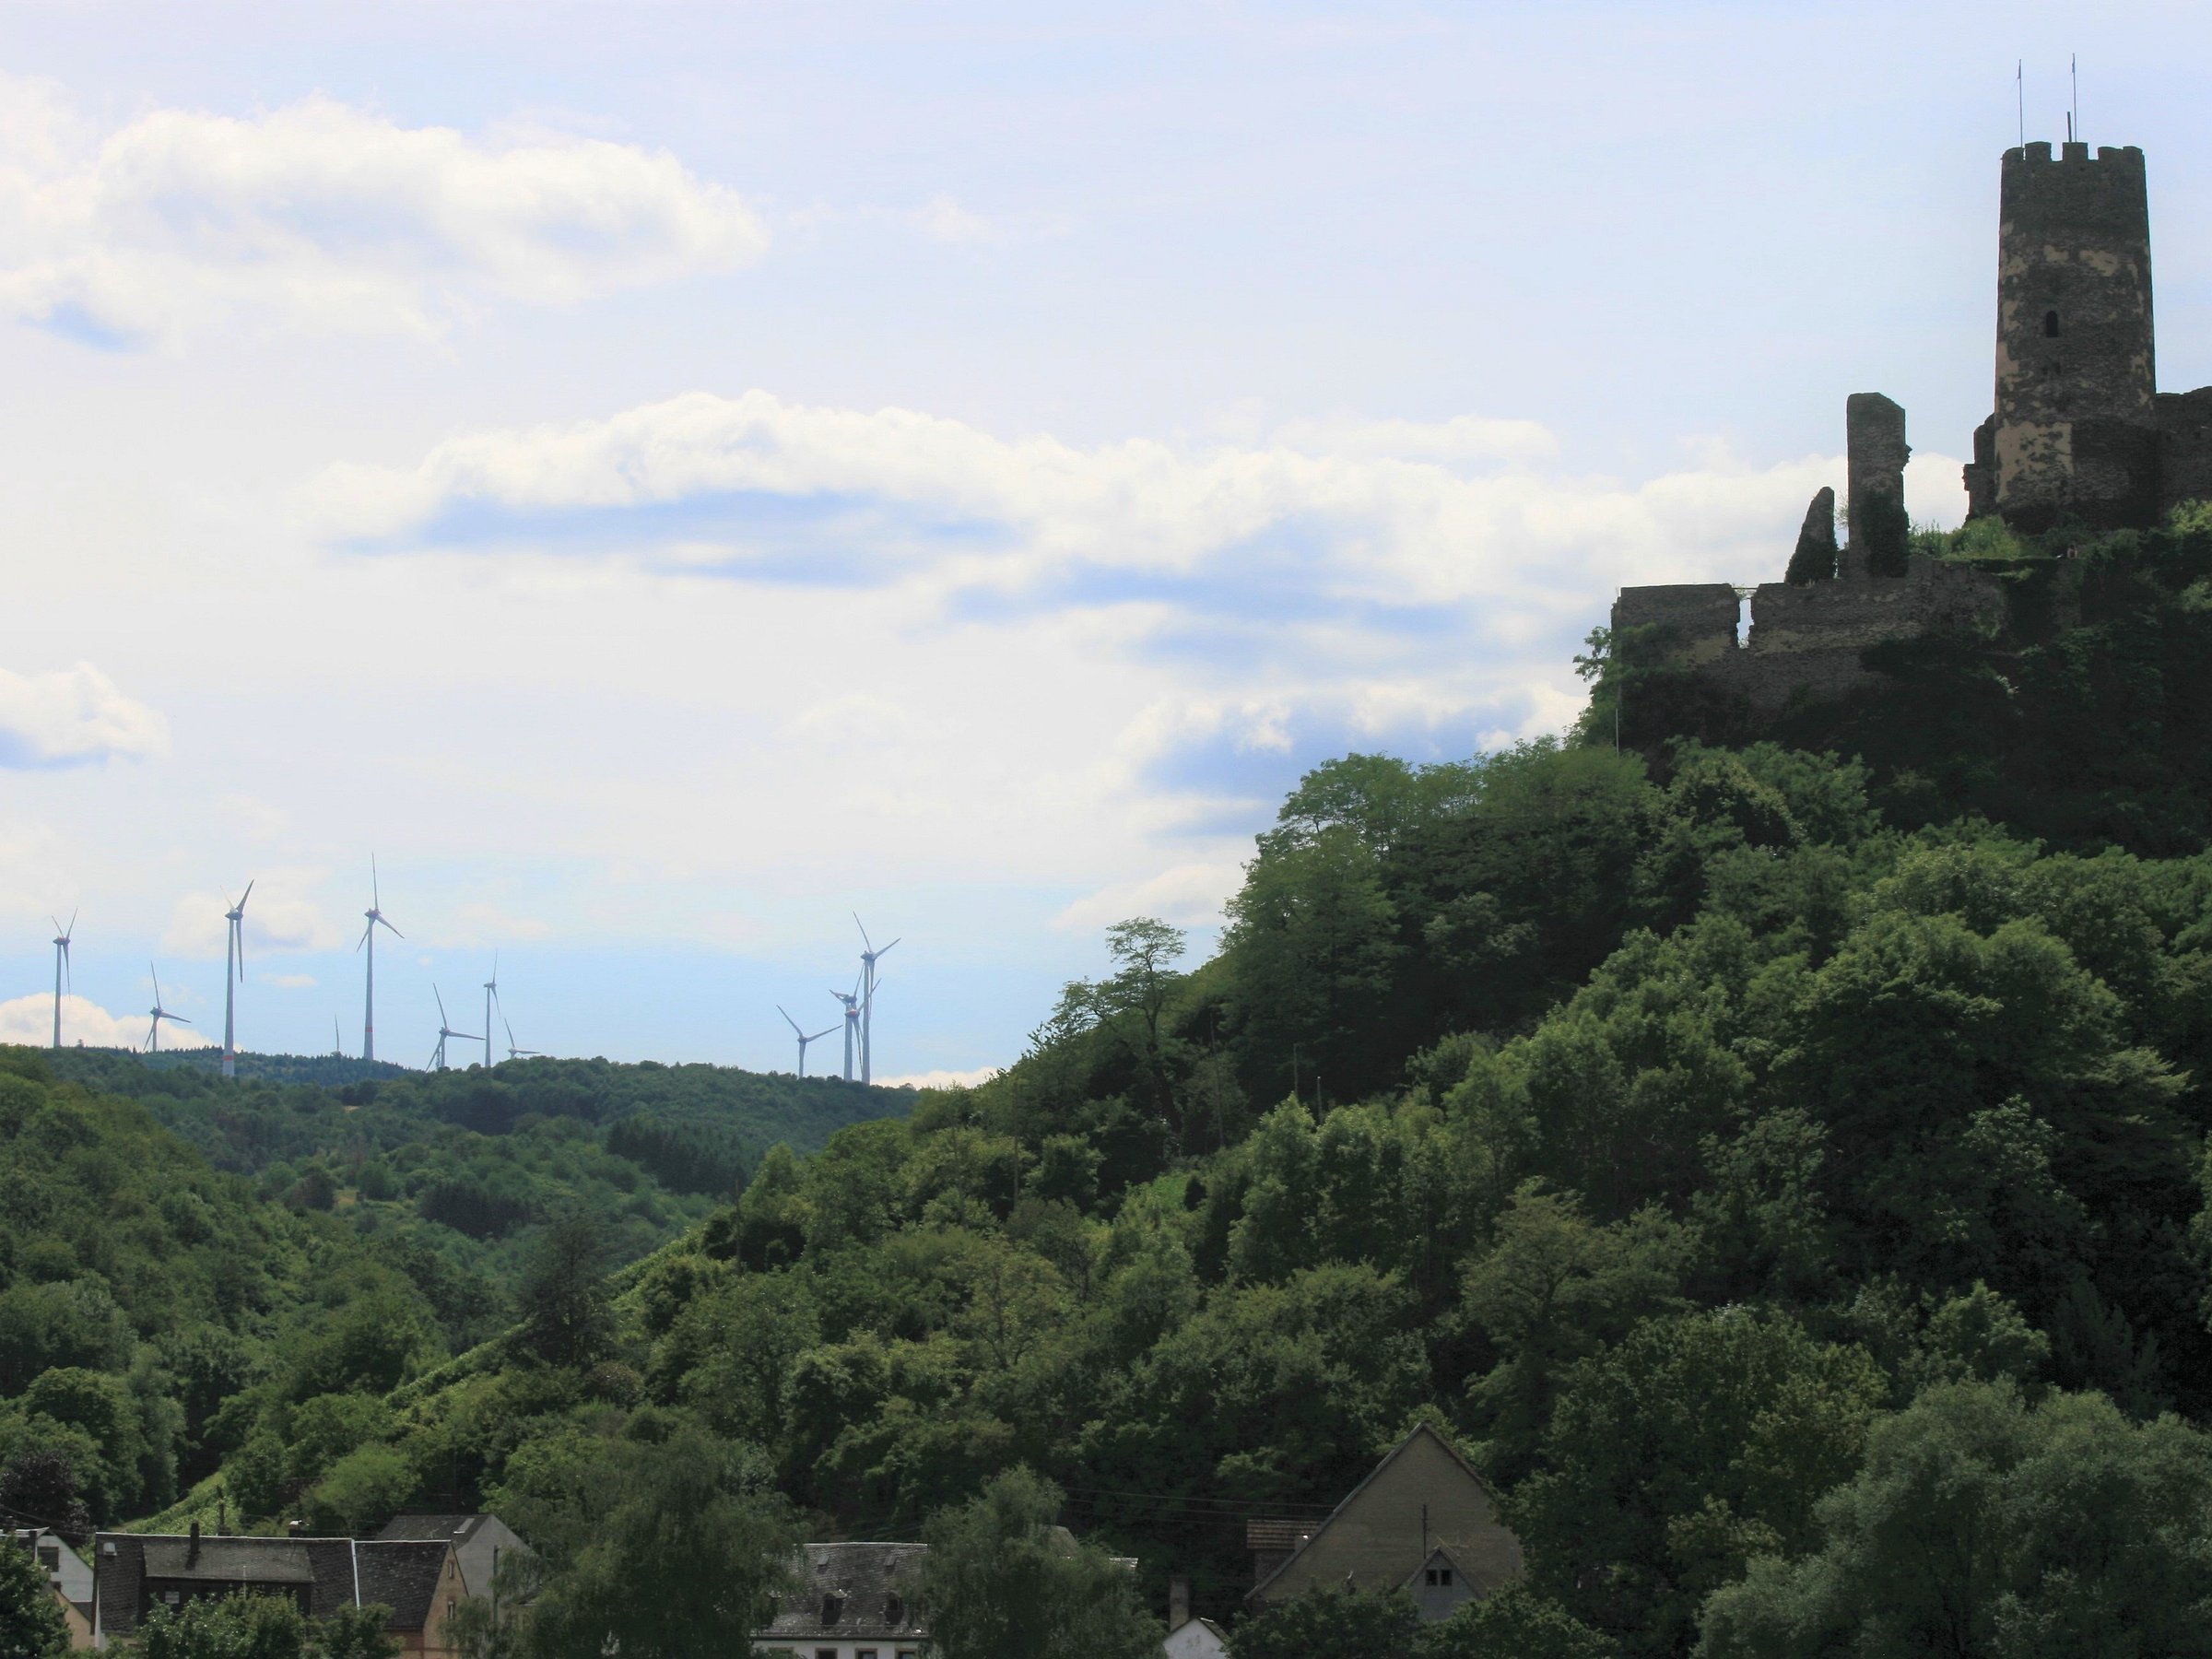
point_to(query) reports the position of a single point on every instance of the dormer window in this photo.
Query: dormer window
(2050, 325)
(833, 1609)
(894, 1610)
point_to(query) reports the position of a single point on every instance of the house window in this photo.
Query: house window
(1440, 1577)
(865, 1653)
(49, 1556)
(2050, 325)
(906, 1654)
(824, 1654)
(894, 1610)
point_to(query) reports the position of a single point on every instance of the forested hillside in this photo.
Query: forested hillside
(1783, 1171)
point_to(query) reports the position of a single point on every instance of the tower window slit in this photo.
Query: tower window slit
(2050, 325)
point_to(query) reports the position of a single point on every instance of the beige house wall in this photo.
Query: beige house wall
(1423, 1497)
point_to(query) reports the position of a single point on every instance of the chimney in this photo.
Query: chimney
(192, 1555)
(1179, 1602)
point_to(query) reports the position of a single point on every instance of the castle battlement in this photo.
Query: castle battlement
(2080, 434)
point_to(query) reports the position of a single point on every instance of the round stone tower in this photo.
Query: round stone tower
(2074, 433)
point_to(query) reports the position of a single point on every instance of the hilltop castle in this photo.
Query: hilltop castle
(2080, 434)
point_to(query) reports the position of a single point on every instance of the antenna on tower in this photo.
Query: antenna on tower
(2019, 95)
(2074, 114)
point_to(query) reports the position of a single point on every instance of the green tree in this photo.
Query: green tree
(1987, 1528)
(1002, 1581)
(565, 1319)
(1672, 1457)
(31, 1626)
(1328, 1623)
(674, 1550)
(1512, 1622)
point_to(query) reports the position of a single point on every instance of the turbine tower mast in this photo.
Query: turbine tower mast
(802, 1037)
(61, 970)
(852, 1001)
(868, 958)
(491, 992)
(376, 919)
(234, 963)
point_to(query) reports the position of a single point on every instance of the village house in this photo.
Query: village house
(417, 1571)
(852, 1601)
(1423, 1521)
(69, 1575)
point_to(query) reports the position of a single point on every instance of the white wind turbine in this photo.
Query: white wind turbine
(376, 920)
(445, 1029)
(802, 1037)
(153, 1031)
(869, 959)
(852, 1001)
(234, 963)
(61, 971)
(514, 1053)
(491, 992)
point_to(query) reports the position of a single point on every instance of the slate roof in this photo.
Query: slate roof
(330, 1572)
(400, 1574)
(121, 1563)
(1278, 1534)
(851, 1593)
(458, 1528)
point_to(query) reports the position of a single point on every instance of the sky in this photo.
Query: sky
(665, 477)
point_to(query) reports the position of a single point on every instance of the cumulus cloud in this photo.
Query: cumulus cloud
(29, 1020)
(943, 219)
(322, 216)
(73, 716)
(1328, 524)
(1190, 895)
(281, 915)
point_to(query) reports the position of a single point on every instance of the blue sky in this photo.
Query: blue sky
(665, 477)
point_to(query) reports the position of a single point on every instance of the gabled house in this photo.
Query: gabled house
(852, 1601)
(1423, 1521)
(480, 1543)
(68, 1575)
(419, 1581)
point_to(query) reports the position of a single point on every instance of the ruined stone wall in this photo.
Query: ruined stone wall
(2077, 432)
(1874, 435)
(1808, 640)
(1697, 620)
(2184, 447)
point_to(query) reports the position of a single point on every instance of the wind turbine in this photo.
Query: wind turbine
(868, 958)
(514, 1053)
(61, 970)
(376, 919)
(491, 992)
(445, 1029)
(234, 961)
(802, 1037)
(852, 1002)
(337, 1043)
(153, 1031)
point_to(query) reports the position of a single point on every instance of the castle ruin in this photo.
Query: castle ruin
(2080, 434)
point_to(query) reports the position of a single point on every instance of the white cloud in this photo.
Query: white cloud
(325, 216)
(73, 715)
(1357, 524)
(1190, 895)
(943, 219)
(29, 1019)
(940, 1079)
(294, 981)
(281, 915)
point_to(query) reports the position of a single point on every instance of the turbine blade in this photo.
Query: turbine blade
(863, 934)
(375, 898)
(178, 1018)
(889, 948)
(246, 895)
(442, 1013)
(394, 931)
(787, 1018)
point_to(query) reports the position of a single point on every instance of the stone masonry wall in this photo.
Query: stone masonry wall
(1809, 640)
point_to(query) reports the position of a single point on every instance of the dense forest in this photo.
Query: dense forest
(1776, 1156)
